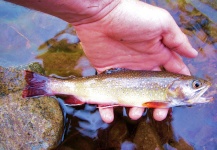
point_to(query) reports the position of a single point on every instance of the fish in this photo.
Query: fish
(122, 87)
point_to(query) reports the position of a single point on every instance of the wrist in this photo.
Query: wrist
(73, 11)
(92, 11)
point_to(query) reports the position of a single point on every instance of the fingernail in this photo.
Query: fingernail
(194, 52)
(109, 118)
(160, 114)
(185, 71)
(136, 113)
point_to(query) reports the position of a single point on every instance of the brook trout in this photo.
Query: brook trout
(152, 89)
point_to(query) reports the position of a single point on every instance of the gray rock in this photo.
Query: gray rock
(30, 123)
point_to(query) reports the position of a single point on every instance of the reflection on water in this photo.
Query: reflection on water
(28, 36)
(22, 31)
(62, 53)
(205, 9)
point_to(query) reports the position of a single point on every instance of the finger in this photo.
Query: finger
(176, 40)
(176, 65)
(160, 113)
(136, 112)
(106, 114)
(156, 69)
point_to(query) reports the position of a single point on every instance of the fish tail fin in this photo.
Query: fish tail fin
(36, 85)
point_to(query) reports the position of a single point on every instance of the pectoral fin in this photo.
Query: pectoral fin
(156, 105)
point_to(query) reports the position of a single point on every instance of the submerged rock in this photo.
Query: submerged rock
(117, 135)
(146, 137)
(31, 123)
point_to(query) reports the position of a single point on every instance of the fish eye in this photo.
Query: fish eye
(196, 84)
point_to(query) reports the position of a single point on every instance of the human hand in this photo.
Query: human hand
(137, 36)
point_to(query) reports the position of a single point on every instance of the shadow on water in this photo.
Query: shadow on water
(184, 128)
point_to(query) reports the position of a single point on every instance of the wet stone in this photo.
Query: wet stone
(30, 123)
(146, 137)
(117, 135)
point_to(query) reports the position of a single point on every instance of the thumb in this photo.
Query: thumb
(174, 39)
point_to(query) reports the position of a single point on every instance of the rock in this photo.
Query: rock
(117, 135)
(30, 123)
(146, 137)
(182, 145)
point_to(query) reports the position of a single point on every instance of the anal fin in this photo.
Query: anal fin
(71, 100)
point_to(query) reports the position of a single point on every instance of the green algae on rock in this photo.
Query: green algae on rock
(33, 123)
(61, 57)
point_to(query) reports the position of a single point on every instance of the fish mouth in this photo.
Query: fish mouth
(198, 98)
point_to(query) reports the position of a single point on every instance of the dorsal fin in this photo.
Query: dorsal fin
(114, 70)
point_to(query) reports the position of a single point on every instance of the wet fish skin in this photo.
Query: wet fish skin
(124, 88)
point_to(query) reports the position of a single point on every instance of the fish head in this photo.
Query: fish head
(188, 91)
